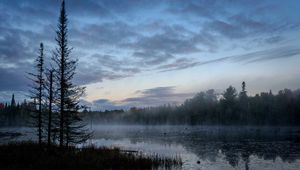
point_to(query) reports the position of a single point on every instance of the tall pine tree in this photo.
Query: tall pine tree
(71, 128)
(37, 92)
(50, 98)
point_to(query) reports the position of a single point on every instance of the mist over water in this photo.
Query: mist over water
(199, 147)
(208, 147)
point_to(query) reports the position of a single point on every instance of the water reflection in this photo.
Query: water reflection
(215, 147)
(201, 147)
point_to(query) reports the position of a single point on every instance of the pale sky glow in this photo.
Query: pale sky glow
(148, 53)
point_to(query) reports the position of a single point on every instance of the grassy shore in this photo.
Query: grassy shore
(32, 156)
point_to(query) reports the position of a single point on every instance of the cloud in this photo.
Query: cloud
(265, 55)
(252, 57)
(178, 64)
(120, 39)
(12, 47)
(103, 104)
(150, 58)
(92, 73)
(170, 41)
(104, 34)
(157, 96)
(13, 79)
(145, 98)
(273, 39)
(116, 65)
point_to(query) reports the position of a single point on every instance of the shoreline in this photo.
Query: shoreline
(29, 155)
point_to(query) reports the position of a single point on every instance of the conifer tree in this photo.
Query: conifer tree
(13, 102)
(50, 98)
(37, 91)
(71, 127)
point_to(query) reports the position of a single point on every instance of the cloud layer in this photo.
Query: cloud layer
(143, 98)
(114, 40)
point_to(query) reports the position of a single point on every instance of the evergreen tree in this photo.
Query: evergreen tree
(71, 128)
(50, 98)
(243, 93)
(37, 91)
(243, 104)
(13, 102)
(229, 105)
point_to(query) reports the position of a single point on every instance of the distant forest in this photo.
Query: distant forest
(208, 108)
(205, 108)
(16, 114)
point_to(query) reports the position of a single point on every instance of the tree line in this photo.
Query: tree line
(210, 108)
(15, 114)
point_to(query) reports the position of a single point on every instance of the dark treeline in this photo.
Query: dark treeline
(205, 108)
(15, 114)
(209, 108)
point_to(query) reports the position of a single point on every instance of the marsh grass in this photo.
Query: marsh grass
(28, 155)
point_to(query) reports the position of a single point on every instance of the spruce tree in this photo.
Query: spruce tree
(13, 102)
(50, 98)
(71, 128)
(37, 91)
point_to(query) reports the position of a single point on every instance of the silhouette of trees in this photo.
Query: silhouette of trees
(244, 104)
(13, 102)
(210, 108)
(54, 97)
(50, 98)
(71, 128)
(38, 90)
(229, 105)
(15, 114)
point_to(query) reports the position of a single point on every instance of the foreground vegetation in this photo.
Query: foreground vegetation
(33, 156)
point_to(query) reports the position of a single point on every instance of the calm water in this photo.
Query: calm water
(214, 147)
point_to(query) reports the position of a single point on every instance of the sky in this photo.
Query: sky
(149, 53)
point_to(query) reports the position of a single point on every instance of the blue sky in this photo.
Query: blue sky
(148, 53)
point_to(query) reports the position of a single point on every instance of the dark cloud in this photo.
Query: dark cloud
(109, 33)
(116, 65)
(166, 42)
(150, 58)
(196, 9)
(12, 47)
(273, 39)
(101, 67)
(103, 104)
(148, 97)
(93, 73)
(13, 79)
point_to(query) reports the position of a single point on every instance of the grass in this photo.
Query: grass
(27, 155)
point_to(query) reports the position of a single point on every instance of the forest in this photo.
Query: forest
(205, 108)
(209, 108)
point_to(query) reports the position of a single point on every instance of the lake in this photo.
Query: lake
(203, 147)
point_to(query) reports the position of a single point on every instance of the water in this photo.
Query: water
(207, 147)
(215, 147)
